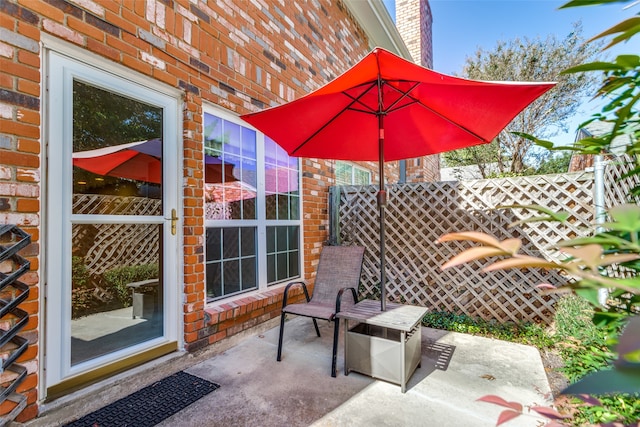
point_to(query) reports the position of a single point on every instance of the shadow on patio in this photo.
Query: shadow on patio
(258, 391)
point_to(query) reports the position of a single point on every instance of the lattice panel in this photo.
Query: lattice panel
(617, 190)
(417, 214)
(617, 187)
(106, 246)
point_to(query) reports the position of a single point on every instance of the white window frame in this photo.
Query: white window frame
(354, 167)
(260, 223)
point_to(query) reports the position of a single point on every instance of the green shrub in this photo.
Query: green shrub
(79, 273)
(583, 345)
(116, 280)
(584, 349)
(82, 300)
(523, 332)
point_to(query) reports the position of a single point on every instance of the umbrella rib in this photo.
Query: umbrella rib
(404, 95)
(328, 122)
(417, 101)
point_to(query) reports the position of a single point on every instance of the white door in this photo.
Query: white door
(112, 223)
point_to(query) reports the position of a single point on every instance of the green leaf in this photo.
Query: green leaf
(593, 66)
(612, 381)
(628, 28)
(590, 294)
(552, 216)
(626, 217)
(541, 142)
(628, 61)
(601, 239)
(575, 3)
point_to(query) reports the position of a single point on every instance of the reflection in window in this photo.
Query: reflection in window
(117, 152)
(230, 170)
(231, 261)
(239, 219)
(281, 182)
(117, 293)
(283, 253)
(349, 174)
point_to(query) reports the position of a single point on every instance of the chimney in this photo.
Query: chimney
(414, 21)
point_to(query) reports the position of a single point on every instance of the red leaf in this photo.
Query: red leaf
(497, 400)
(552, 414)
(507, 415)
(589, 399)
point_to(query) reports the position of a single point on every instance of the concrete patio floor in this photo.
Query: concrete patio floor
(299, 391)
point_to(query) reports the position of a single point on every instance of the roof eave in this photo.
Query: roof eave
(373, 17)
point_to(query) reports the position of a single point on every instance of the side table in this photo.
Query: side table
(383, 344)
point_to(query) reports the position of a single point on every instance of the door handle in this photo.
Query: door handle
(174, 221)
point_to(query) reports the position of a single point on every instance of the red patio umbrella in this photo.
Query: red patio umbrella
(141, 161)
(386, 108)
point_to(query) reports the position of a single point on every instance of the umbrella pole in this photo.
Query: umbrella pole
(382, 202)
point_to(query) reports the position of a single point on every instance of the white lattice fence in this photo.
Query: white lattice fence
(617, 185)
(106, 246)
(417, 214)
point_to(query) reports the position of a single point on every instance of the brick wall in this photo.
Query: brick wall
(240, 56)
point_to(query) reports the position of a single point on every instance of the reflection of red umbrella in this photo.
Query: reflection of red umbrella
(141, 161)
(387, 108)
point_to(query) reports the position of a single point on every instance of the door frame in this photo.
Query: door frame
(61, 63)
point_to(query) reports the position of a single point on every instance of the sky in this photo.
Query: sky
(460, 27)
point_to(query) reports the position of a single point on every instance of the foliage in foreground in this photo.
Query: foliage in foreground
(581, 344)
(609, 260)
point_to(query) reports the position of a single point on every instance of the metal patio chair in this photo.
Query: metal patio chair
(338, 271)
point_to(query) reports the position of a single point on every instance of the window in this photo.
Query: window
(349, 174)
(252, 201)
(282, 253)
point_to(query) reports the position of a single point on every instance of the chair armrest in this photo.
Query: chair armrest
(289, 285)
(339, 297)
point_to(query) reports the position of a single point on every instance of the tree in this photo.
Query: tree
(615, 246)
(554, 163)
(529, 60)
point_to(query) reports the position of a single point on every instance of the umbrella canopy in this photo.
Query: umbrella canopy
(141, 161)
(386, 108)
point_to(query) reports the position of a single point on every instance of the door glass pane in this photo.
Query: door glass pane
(117, 154)
(116, 278)
(116, 296)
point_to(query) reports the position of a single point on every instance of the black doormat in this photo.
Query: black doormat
(150, 405)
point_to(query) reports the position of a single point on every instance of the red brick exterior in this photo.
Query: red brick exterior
(239, 55)
(242, 56)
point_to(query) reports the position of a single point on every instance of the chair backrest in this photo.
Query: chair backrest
(339, 267)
